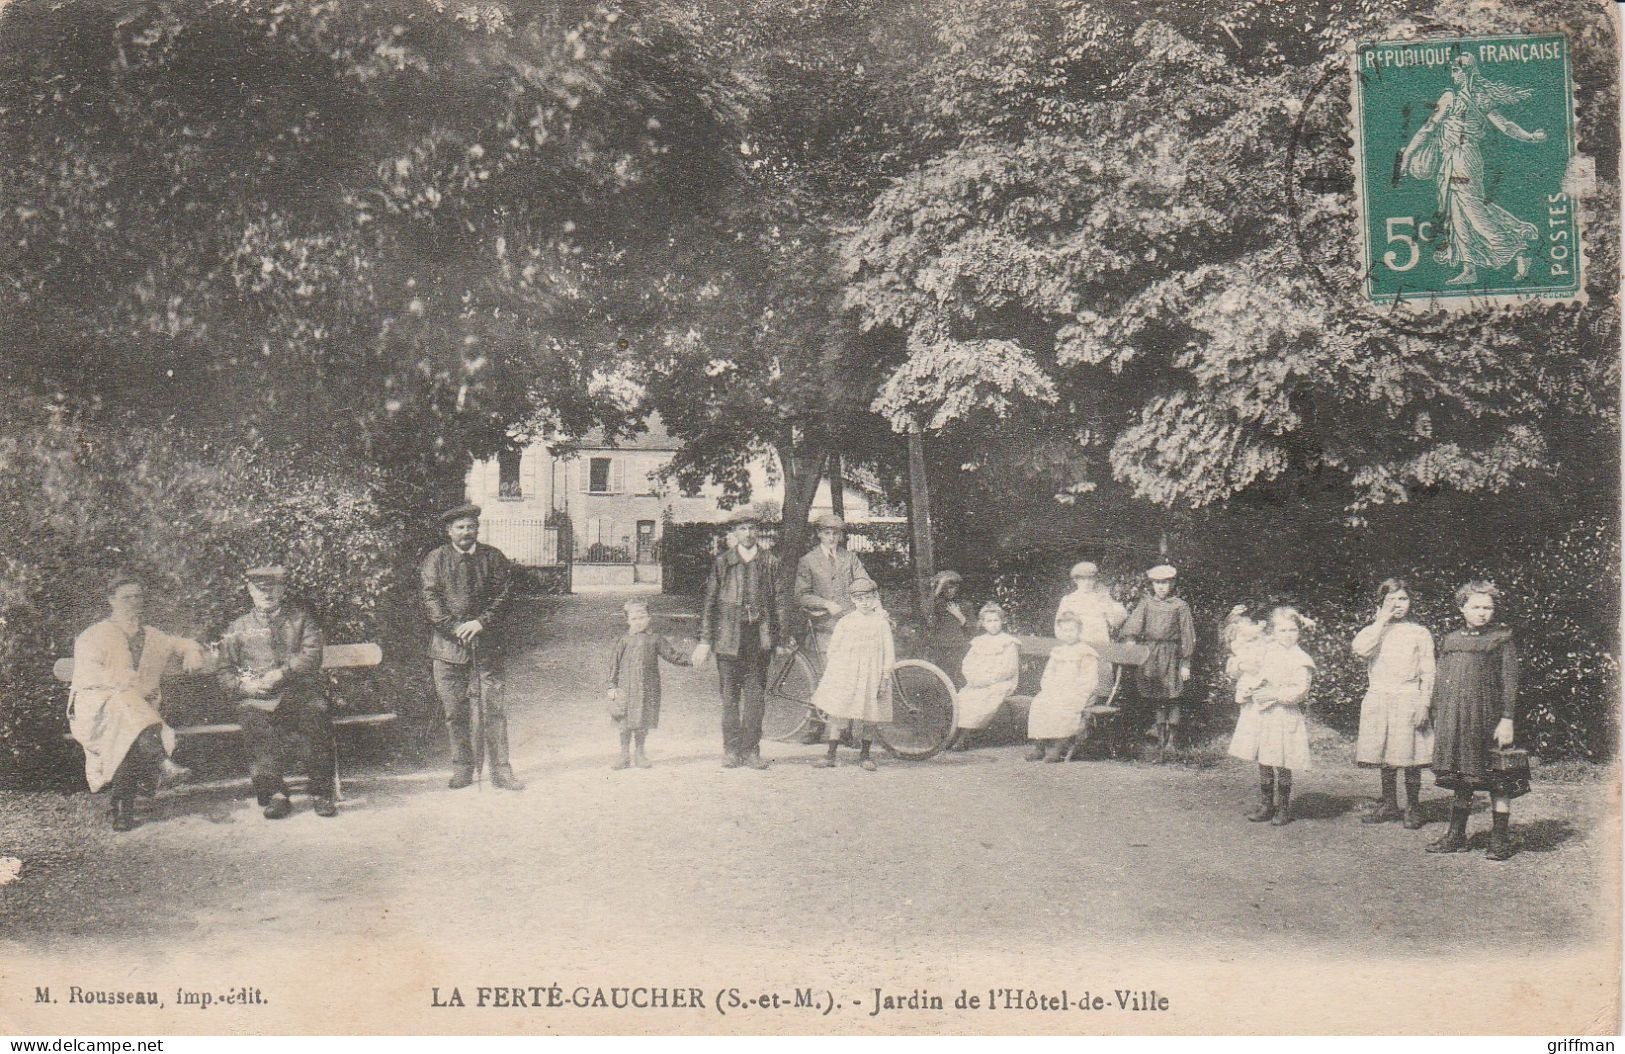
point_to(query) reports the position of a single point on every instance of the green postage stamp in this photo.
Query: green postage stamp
(1462, 147)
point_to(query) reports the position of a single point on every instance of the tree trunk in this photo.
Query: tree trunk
(802, 468)
(919, 520)
(837, 485)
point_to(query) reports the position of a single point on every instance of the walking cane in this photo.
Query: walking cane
(476, 714)
(338, 785)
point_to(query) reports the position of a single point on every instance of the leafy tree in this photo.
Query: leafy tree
(1132, 226)
(743, 346)
(390, 216)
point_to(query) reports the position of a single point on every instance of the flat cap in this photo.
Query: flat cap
(745, 514)
(1161, 573)
(863, 585)
(632, 607)
(459, 513)
(266, 573)
(829, 520)
(1084, 569)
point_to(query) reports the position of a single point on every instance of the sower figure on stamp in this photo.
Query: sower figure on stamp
(114, 698)
(1447, 150)
(271, 661)
(466, 589)
(824, 578)
(742, 623)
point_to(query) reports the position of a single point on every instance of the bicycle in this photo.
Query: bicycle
(923, 709)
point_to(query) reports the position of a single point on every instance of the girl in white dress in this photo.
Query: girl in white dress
(1271, 729)
(991, 668)
(1395, 729)
(1069, 680)
(855, 690)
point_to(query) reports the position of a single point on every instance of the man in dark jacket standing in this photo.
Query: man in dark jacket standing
(466, 589)
(742, 621)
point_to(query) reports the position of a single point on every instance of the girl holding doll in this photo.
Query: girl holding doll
(1271, 729)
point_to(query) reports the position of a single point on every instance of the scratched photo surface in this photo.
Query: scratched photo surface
(808, 516)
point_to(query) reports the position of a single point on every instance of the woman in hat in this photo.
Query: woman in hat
(1099, 615)
(948, 629)
(1163, 622)
(855, 690)
(1394, 729)
(992, 666)
(1475, 697)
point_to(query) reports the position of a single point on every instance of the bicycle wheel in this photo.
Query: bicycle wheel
(790, 684)
(922, 707)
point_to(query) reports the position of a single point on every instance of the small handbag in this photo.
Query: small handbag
(1509, 772)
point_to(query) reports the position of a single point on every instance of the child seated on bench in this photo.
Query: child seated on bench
(1069, 680)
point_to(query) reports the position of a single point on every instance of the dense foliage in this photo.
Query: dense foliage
(190, 515)
(271, 273)
(1132, 229)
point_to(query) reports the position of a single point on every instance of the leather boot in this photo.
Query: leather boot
(266, 788)
(279, 808)
(1413, 797)
(324, 802)
(1500, 837)
(1455, 839)
(1266, 801)
(1283, 803)
(502, 778)
(123, 814)
(1388, 809)
(461, 776)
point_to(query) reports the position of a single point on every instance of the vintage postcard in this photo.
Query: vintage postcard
(922, 517)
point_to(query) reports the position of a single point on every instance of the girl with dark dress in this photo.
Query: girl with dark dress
(948, 628)
(1474, 697)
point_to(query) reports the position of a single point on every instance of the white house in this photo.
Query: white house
(615, 503)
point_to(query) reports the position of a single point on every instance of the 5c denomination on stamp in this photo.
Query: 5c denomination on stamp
(1462, 151)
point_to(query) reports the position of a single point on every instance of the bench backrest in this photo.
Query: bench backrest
(334, 657)
(1119, 652)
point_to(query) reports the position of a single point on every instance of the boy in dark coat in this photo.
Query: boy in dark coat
(1163, 622)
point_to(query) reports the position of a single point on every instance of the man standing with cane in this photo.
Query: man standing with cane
(466, 589)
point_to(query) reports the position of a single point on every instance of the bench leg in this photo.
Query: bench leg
(338, 784)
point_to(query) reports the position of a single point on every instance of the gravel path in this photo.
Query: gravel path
(966, 871)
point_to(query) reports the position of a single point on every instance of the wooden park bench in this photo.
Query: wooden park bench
(1122, 656)
(334, 657)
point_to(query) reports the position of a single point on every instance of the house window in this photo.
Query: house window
(599, 482)
(508, 485)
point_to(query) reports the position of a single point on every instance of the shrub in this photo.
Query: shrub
(188, 513)
(1561, 597)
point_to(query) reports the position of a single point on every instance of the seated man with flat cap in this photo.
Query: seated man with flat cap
(271, 668)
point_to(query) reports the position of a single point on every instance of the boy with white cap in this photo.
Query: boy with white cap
(1163, 622)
